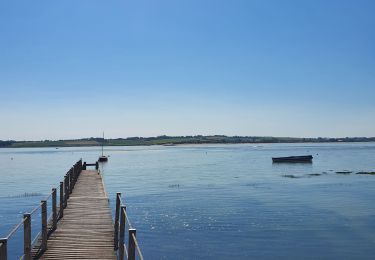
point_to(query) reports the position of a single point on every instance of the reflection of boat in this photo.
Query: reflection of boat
(103, 158)
(293, 159)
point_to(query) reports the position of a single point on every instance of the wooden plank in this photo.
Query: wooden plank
(86, 231)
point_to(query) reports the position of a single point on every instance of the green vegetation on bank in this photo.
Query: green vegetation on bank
(174, 140)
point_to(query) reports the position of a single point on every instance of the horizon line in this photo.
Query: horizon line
(185, 136)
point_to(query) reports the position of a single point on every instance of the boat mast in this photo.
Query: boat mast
(102, 143)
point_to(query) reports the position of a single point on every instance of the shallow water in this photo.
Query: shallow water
(217, 201)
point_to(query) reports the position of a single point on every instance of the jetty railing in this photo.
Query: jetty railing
(121, 224)
(33, 248)
(96, 164)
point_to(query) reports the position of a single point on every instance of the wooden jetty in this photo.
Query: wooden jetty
(80, 225)
(86, 231)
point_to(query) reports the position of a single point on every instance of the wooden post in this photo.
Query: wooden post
(71, 179)
(122, 233)
(75, 167)
(118, 205)
(77, 170)
(79, 167)
(67, 188)
(71, 183)
(61, 199)
(3, 249)
(54, 209)
(131, 244)
(84, 166)
(27, 236)
(73, 176)
(44, 225)
(96, 165)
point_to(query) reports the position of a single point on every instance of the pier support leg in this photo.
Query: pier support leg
(3, 248)
(122, 233)
(73, 171)
(131, 245)
(54, 209)
(61, 214)
(71, 181)
(66, 186)
(44, 225)
(118, 205)
(27, 236)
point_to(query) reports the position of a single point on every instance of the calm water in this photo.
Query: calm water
(217, 201)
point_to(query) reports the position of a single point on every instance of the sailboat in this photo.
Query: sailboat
(103, 158)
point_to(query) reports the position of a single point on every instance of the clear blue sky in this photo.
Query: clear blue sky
(70, 69)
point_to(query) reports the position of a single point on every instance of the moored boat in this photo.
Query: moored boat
(293, 159)
(103, 158)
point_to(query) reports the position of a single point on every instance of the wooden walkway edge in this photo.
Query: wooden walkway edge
(86, 230)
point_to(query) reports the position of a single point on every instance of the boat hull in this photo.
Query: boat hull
(103, 159)
(293, 159)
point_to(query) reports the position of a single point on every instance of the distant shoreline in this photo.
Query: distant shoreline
(177, 140)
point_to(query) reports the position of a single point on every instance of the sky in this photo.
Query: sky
(72, 69)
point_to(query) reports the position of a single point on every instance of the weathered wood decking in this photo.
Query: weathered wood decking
(86, 230)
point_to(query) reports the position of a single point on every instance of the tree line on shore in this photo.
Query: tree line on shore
(175, 140)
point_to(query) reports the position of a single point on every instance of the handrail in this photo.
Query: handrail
(49, 196)
(50, 216)
(36, 238)
(15, 229)
(35, 209)
(121, 221)
(66, 187)
(126, 215)
(137, 247)
(40, 204)
(126, 251)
